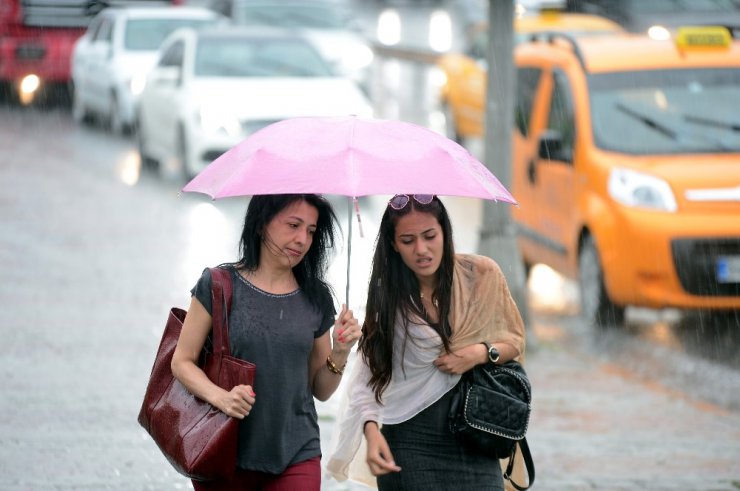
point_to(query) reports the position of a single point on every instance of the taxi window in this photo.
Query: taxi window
(561, 117)
(667, 111)
(527, 80)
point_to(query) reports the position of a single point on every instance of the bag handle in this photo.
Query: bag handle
(221, 288)
(528, 462)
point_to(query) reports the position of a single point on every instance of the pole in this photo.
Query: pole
(498, 234)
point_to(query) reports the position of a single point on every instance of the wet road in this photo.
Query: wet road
(95, 251)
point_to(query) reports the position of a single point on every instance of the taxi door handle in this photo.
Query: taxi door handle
(532, 171)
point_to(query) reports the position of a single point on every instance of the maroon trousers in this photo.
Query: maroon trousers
(303, 476)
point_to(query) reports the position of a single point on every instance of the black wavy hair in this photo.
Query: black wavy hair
(394, 288)
(310, 272)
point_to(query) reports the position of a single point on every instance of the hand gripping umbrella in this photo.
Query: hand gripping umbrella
(348, 156)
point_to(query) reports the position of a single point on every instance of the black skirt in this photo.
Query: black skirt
(431, 458)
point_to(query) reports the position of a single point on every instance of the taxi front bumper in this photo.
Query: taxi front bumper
(661, 260)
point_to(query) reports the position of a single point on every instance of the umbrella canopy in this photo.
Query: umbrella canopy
(348, 156)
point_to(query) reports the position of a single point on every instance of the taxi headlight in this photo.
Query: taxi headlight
(639, 190)
(214, 121)
(659, 33)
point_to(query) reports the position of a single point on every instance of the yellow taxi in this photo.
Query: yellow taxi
(464, 91)
(626, 165)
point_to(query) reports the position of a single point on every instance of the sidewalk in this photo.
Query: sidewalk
(597, 425)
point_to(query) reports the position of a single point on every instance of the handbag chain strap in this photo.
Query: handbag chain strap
(221, 288)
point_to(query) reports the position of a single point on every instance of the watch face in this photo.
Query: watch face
(493, 354)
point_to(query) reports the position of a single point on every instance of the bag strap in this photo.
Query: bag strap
(527, 462)
(221, 288)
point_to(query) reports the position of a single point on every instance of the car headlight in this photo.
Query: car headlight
(641, 190)
(215, 120)
(357, 57)
(136, 84)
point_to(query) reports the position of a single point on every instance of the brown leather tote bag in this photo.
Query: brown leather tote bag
(199, 440)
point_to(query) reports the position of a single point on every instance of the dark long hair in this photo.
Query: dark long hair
(394, 289)
(310, 272)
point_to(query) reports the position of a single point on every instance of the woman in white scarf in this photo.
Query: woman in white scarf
(431, 315)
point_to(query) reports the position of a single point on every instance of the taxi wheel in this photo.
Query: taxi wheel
(597, 309)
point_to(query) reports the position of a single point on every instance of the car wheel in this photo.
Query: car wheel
(597, 309)
(147, 162)
(451, 125)
(115, 123)
(182, 155)
(79, 112)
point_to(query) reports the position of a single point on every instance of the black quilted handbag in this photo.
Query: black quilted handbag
(490, 412)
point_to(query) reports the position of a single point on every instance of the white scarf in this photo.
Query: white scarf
(482, 310)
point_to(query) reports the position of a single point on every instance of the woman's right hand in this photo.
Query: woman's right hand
(379, 457)
(238, 402)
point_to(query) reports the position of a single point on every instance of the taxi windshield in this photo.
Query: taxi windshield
(666, 111)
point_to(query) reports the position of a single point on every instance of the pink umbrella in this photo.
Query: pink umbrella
(348, 156)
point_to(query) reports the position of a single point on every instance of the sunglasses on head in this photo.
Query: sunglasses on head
(399, 201)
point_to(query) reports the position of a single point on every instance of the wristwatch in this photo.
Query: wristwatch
(493, 354)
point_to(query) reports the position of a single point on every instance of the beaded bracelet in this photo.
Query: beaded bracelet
(333, 368)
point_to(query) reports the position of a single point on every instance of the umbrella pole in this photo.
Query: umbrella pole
(349, 247)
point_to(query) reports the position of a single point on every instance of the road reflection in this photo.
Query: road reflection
(128, 168)
(712, 337)
(709, 336)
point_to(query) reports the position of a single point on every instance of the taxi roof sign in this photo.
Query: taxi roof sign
(703, 38)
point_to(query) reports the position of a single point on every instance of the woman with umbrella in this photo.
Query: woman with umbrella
(281, 315)
(431, 315)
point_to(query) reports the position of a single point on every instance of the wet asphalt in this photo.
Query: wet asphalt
(95, 250)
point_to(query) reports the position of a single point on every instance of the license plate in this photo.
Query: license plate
(728, 269)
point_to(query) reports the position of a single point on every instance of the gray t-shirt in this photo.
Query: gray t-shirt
(276, 333)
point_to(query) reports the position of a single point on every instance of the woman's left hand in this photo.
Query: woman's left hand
(462, 360)
(346, 331)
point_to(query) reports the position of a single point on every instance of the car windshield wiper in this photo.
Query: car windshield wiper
(664, 129)
(700, 120)
(648, 121)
